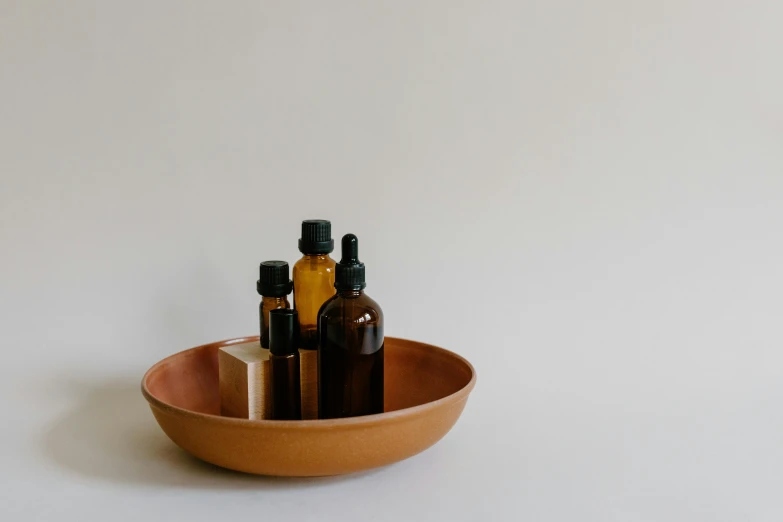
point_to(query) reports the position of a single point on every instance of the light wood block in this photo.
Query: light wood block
(244, 381)
(308, 377)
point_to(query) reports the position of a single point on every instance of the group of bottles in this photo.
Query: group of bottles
(326, 354)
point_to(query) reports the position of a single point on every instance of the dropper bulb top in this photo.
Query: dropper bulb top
(349, 272)
(350, 250)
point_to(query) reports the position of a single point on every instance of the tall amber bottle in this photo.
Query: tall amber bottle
(313, 285)
(274, 286)
(350, 352)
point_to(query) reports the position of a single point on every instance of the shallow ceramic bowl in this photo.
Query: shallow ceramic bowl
(426, 389)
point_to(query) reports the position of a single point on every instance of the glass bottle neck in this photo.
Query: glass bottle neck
(350, 293)
(273, 300)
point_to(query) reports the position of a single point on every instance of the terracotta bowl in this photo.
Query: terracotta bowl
(426, 389)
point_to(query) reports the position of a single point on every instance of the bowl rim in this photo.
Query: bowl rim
(457, 396)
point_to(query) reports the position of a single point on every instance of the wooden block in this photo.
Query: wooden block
(308, 377)
(244, 381)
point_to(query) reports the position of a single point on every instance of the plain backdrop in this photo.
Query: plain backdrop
(585, 199)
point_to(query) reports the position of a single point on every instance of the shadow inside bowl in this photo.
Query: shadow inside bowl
(111, 435)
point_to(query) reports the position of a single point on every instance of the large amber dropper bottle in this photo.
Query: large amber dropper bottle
(313, 285)
(350, 353)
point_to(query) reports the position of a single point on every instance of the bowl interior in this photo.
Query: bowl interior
(414, 374)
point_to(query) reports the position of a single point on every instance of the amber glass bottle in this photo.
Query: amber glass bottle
(313, 285)
(350, 352)
(284, 365)
(313, 277)
(274, 286)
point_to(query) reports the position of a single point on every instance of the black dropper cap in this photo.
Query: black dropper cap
(316, 237)
(283, 331)
(349, 272)
(273, 280)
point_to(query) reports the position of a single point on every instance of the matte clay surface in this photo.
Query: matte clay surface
(426, 389)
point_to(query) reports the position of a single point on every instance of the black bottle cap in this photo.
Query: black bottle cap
(273, 280)
(283, 331)
(349, 272)
(316, 237)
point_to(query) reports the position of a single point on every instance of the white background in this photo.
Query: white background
(585, 199)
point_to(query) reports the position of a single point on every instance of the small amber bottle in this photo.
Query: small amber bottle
(350, 353)
(313, 285)
(284, 365)
(274, 286)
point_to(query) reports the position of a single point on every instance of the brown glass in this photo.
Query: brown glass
(284, 387)
(350, 356)
(313, 284)
(266, 305)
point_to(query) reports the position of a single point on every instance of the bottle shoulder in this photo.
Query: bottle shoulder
(372, 304)
(362, 308)
(320, 264)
